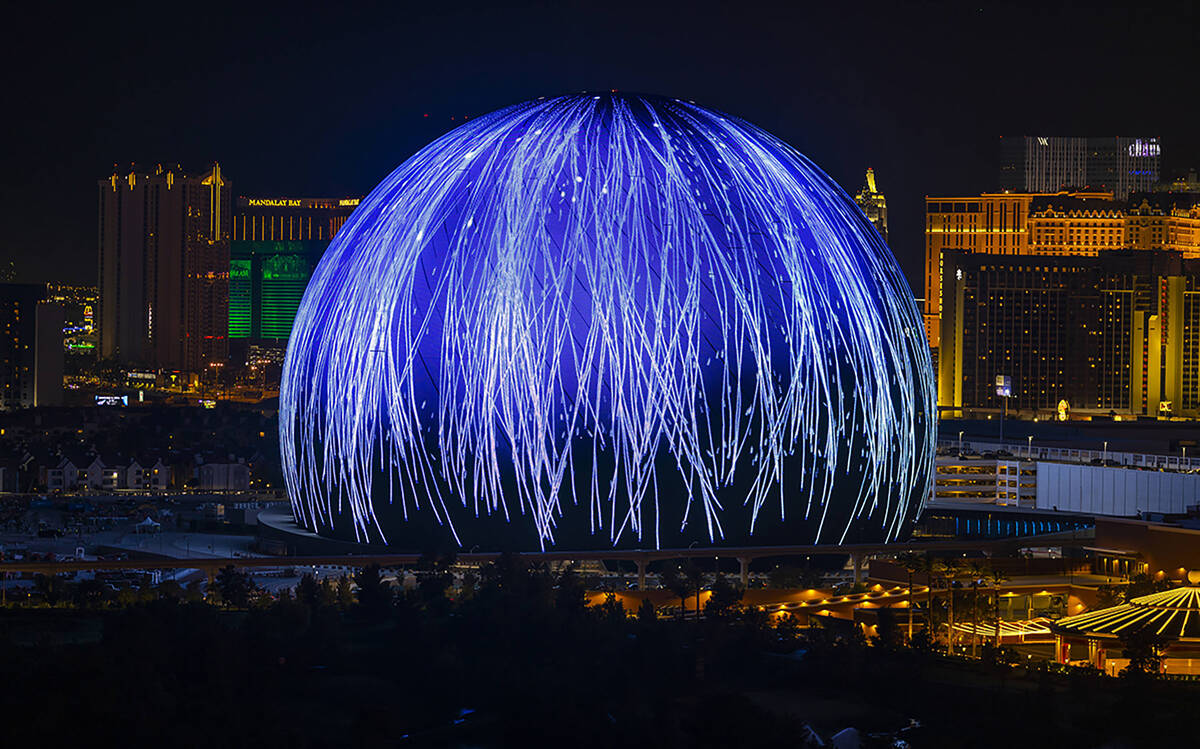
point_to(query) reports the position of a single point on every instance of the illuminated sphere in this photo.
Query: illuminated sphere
(614, 320)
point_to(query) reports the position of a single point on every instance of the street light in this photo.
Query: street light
(1105, 458)
(1029, 446)
(960, 434)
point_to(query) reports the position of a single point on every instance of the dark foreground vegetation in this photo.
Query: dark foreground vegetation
(518, 659)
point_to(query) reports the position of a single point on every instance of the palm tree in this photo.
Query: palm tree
(675, 582)
(996, 577)
(911, 563)
(977, 570)
(695, 578)
(951, 571)
(933, 568)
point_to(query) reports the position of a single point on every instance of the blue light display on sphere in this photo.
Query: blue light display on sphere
(607, 320)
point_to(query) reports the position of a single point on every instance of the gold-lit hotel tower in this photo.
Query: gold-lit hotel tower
(1082, 300)
(1062, 223)
(164, 268)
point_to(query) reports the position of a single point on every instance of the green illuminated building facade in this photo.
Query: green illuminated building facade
(266, 283)
(277, 243)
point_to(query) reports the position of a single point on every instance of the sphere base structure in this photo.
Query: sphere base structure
(611, 318)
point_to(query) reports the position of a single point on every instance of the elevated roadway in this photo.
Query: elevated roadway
(640, 557)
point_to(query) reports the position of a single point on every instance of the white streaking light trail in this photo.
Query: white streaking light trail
(570, 304)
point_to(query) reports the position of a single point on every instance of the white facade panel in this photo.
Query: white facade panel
(1121, 492)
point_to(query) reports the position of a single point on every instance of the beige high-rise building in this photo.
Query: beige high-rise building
(164, 268)
(31, 347)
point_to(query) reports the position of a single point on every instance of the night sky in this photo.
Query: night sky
(326, 100)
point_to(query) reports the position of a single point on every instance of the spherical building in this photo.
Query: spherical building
(607, 320)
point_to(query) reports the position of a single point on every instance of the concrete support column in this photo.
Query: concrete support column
(641, 565)
(857, 559)
(1095, 653)
(744, 570)
(1060, 650)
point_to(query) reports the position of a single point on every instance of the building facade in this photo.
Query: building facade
(1028, 478)
(1080, 224)
(984, 481)
(276, 245)
(991, 224)
(1116, 333)
(1118, 164)
(31, 347)
(48, 354)
(164, 268)
(1114, 491)
(873, 204)
(234, 477)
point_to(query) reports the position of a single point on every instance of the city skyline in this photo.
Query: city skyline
(570, 374)
(317, 108)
